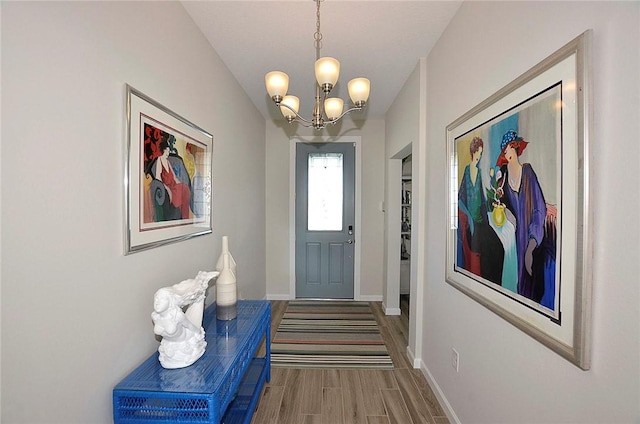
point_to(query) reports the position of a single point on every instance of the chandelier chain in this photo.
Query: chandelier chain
(317, 37)
(327, 71)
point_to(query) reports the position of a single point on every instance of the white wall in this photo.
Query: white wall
(75, 311)
(278, 135)
(506, 376)
(1, 273)
(402, 132)
(406, 124)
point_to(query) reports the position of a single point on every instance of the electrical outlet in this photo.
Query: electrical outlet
(455, 359)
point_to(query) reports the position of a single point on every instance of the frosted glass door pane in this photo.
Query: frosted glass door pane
(324, 192)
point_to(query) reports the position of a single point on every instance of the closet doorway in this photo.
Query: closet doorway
(405, 237)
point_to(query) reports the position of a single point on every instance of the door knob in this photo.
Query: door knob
(350, 241)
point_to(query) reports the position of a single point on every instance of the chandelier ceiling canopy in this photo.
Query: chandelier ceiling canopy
(326, 110)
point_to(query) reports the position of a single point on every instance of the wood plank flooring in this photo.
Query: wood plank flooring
(344, 396)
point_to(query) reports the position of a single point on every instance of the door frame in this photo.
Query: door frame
(292, 206)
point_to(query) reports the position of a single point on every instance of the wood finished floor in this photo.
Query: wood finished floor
(337, 396)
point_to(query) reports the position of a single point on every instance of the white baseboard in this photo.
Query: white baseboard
(390, 311)
(279, 297)
(366, 298)
(369, 298)
(446, 406)
(416, 362)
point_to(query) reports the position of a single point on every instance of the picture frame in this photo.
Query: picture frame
(168, 175)
(519, 227)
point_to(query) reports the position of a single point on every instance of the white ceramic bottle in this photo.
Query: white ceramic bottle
(225, 251)
(226, 291)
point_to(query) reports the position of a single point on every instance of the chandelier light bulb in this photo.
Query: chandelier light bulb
(294, 103)
(333, 107)
(327, 72)
(359, 90)
(277, 83)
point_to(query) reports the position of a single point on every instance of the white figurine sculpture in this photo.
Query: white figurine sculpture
(182, 333)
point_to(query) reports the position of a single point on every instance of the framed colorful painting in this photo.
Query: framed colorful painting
(519, 240)
(168, 179)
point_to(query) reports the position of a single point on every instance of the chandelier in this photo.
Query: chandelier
(327, 110)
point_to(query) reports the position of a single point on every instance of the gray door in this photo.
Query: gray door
(325, 218)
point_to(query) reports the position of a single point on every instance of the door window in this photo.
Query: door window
(325, 173)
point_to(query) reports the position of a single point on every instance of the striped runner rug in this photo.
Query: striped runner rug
(329, 334)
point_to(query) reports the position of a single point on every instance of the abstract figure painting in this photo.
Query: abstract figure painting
(518, 203)
(507, 230)
(168, 176)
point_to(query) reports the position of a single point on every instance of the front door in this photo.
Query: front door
(325, 220)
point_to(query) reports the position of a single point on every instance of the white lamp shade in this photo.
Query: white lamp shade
(327, 71)
(333, 107)
(277, 83)
(293, 102)
(359, 89)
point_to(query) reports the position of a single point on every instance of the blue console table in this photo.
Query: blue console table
(223, 386)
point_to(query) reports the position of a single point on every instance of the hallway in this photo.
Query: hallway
(333, 396)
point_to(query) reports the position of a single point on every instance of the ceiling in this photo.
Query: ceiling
(379, 40)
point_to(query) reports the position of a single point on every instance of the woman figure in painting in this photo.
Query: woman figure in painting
(523, 197)
(481, 249)
(179, 193)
